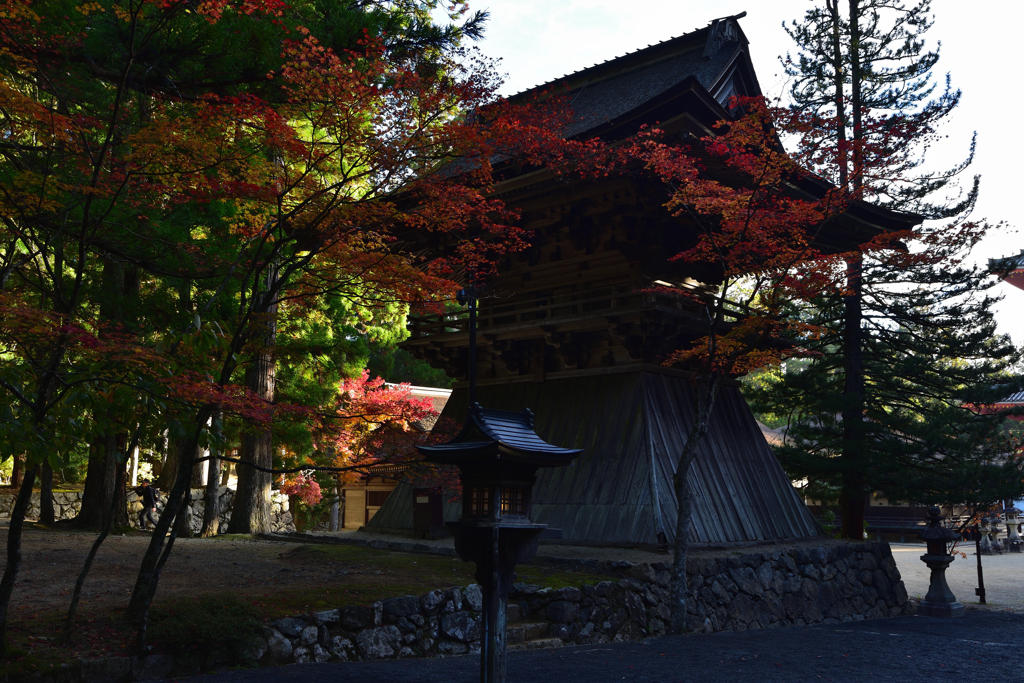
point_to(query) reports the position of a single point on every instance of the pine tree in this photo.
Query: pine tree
(909, 341)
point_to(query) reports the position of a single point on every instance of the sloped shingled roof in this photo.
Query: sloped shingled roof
(510, 434)
(605, 92)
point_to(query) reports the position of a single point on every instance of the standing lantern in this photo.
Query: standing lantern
(940, 601)
(498, 454)
(1013, 539)
(985, 547)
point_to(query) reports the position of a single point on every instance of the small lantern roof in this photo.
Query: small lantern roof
(502, 435)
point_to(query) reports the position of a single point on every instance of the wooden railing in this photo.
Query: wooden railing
(549, 309)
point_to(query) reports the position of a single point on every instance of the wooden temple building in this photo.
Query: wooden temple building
(1011, 269)
(570, 329)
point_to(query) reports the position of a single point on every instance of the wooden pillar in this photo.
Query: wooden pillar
(496, 550)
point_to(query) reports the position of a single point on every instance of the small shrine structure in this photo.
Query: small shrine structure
(571, 329)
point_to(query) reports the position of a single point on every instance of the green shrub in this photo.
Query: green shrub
(204, 626)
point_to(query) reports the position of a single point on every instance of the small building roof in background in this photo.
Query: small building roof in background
(1010, 268)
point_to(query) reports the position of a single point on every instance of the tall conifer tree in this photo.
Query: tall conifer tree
(910, 340)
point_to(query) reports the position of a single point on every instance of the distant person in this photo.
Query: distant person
(149, 496)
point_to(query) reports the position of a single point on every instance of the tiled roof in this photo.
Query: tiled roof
(514, 430)
(603, 92)
(1015, 398)
(1007, 263)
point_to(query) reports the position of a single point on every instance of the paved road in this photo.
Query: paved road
(982, 646)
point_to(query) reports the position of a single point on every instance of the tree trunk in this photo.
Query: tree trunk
(105, 477)
(250, 512)
(183, 520)
(705, 393)
(852, 494)
(14, 551)
(838, 67)
(855, 97)
(211, 497)
(684, 501)
(169, 471)
(46, 513)
(134, 468)
(105, 481)
(156, 554)
(200, 472)
(335, 507)
(16, 472)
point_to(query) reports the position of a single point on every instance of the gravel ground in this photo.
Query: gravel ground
(1004, 576)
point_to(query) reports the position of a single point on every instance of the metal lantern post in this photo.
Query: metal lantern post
(498, 454)
(940, 601)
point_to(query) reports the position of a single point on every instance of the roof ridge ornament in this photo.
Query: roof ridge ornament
(722, 31)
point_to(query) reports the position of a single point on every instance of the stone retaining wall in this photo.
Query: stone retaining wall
(66, 505)
(834, 583)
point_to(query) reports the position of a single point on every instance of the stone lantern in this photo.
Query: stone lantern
(1013, 539)
(985, 546)
(997, 546)
(498, 454)
(940, 601)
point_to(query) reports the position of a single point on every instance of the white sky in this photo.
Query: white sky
(540, 40)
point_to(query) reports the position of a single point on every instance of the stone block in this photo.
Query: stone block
(565, 612)
(563, 631)
(641, 572)
(453, 600)
(279, 648)
(290, 626)
(309, 635)
(357, 617)
(635, 607)
(461, 626)
(379, 643)
(432, 601)
(331, 616)
(474, 596)
(341, 648)
(450, 647)
(570, 593)
(400, 607)
(765, 575)
(255, 650)
(747, 581)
